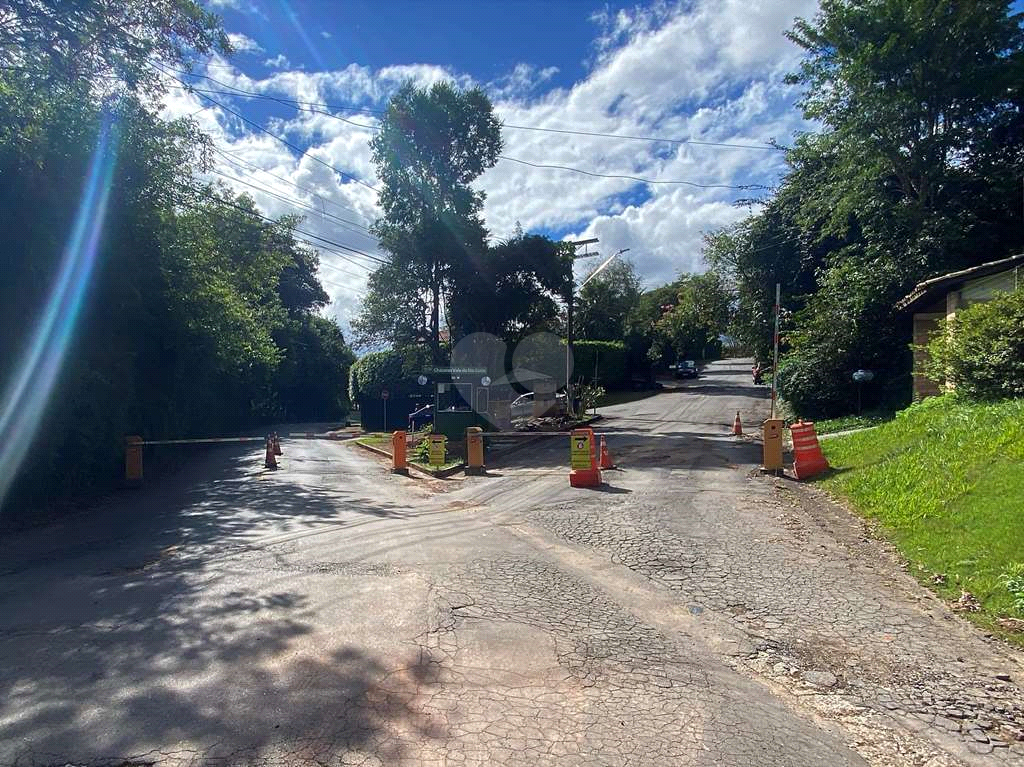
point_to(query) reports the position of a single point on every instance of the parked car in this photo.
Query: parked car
(687, 369)
(420, 418)
(522, 406)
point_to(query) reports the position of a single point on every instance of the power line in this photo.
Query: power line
(656, 139)
(330, 242)
(632, 178)
(296, 104)
(292, 201)
(273, 135)
(236, 159)
(567, 131)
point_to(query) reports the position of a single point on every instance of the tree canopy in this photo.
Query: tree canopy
(916, 172)
(198, 316)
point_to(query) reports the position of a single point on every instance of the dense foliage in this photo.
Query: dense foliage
(980, 352)
(601, 362)
(432, 144)
(916, 172)
(197, 315)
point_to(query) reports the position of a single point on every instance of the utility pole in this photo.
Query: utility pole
(568, 322)
(775, 359)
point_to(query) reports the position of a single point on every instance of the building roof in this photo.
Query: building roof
(929, 290)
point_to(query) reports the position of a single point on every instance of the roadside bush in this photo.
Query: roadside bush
(607, 357)
(394, 370)
(1013, 580)
(981, 351)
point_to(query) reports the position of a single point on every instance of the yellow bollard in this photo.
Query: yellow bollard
(772, 434)
(474, 450)
(133, 460)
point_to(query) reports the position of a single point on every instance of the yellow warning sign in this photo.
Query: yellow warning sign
(436, 452)
(580, 450)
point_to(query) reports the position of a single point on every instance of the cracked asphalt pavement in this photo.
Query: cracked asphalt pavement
(330, 613)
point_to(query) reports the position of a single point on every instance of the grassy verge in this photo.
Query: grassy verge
(382, 441)
(945, 479)
(378, 439)
(848, 422)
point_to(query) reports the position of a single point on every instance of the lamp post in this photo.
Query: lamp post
(569, 315)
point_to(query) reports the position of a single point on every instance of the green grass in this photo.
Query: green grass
(832, 425)
(378, 439)
(945, 480)
(382, 441)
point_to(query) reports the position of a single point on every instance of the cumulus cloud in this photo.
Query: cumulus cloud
(280, 61)
(707, 71)
(243, 43)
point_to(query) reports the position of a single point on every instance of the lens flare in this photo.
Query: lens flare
(29, 390)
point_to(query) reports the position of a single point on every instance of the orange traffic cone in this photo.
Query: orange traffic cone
(737, 427)
(606, 457)
(271, 461)
(277, 444)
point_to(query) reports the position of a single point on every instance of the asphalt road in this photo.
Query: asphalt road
(689, 612)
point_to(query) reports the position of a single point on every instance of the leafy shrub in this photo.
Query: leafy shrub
(394, 370)
(981, 351)
(1013, 580)
(609, 358)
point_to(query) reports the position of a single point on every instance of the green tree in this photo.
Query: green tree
(605, 302)
(432, 144)
(60, 42)
(916, 172)
(513, 289)
(690, 329)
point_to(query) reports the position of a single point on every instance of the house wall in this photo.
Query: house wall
(924, 325)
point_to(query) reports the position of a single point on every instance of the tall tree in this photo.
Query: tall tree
(605, 302)
(433, 143)
(916, 172)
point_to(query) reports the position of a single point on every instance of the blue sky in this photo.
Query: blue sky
(701, 72)
(480, 38)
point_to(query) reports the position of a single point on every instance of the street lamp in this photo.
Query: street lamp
(568, 316)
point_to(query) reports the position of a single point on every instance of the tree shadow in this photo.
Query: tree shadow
(162, 672)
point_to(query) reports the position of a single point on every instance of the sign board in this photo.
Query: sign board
(436, 451)
(456, 371)
(580, 455)
(385, 394)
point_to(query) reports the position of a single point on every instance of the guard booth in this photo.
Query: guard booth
(461, 396)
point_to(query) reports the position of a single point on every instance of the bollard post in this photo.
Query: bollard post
(474, 450)
(133, 460)
(772, 443)
(399, 464)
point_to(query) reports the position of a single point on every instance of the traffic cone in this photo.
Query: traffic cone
(277, 444)
(606, 457)
(271, 461)
(737, 427)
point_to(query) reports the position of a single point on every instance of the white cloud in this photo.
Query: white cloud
(709, 70)
(280, 61)
(521, 82)
(243, 43)
(325, 34)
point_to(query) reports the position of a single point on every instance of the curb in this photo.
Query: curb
(439, 474)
